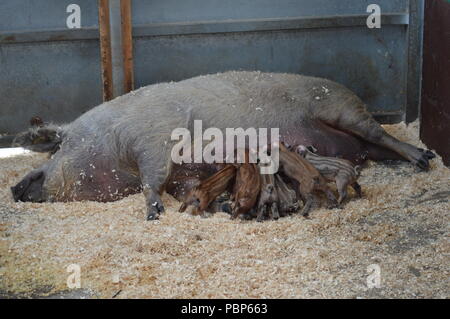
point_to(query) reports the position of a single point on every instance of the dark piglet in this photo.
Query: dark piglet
(287, 197)
(268, 198)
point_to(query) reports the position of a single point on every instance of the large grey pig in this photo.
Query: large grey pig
(123, 146)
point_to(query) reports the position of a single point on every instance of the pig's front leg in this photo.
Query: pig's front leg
(261, 212)
(153, 176)
(155, 206)
(308, 202)
(275, 211)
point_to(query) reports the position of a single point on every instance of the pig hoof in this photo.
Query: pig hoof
(155, 211)
(427, 153)
(425, 156)
(226, 208)
(423, 164)
(152, 216)
(332, 206)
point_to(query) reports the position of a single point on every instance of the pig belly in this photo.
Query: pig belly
(335, 143)
(103, 186)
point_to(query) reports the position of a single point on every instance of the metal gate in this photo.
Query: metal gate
(49, 70)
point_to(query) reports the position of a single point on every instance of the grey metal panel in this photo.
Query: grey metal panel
(267, 24)
(57, 81)
(17, 15)
(344, 55)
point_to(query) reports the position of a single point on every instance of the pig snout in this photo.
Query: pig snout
(29, 189)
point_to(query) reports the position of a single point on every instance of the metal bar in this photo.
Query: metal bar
(115, 24)
(415, 45)
(105, 49)
(251, 25)
(263, 25)
(127, 45)
(90, 33)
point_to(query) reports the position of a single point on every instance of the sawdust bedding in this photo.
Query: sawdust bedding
(401, 224)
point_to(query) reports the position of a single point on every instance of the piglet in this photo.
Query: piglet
(333, 169)
(246, 189)
(268, 198)
(310, 180)
(287, 197)
(209, 189)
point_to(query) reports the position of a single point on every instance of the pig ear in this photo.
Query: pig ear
(39, 139)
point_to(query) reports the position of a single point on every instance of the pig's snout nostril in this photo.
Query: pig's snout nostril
(29, 189)
(14, 193)
(18, 192)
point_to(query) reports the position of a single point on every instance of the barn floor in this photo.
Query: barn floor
(401, 224)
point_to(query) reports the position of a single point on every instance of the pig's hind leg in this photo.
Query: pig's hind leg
(357, 120)
(308, 201)
(341, 184)
(335, 142)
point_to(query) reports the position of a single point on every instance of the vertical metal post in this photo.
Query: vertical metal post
(105, 49)
(115, 24)
(116, 47)
(127, 45)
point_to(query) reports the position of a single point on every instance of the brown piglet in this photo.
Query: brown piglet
(300, 170)
(246, 189)
(209, 189)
